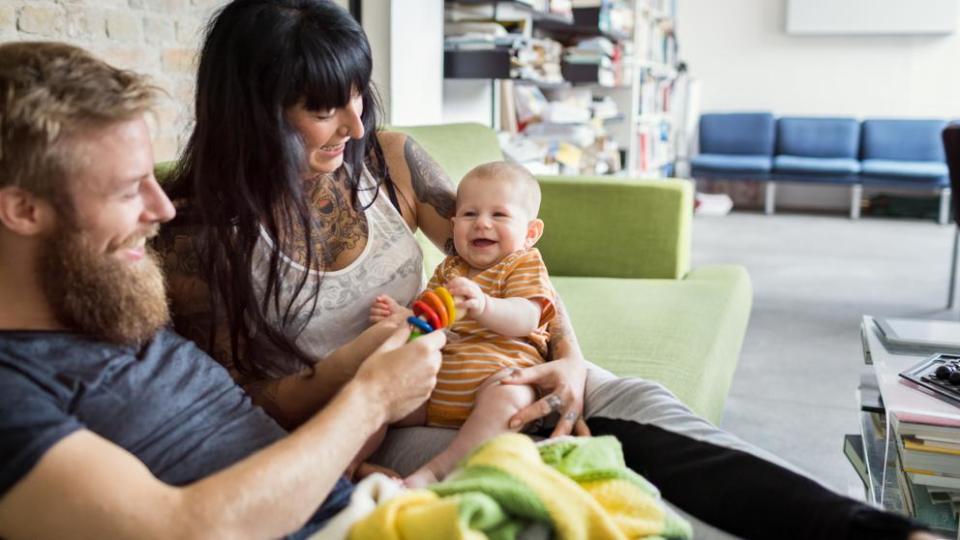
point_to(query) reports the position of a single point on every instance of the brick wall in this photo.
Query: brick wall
(156, 37)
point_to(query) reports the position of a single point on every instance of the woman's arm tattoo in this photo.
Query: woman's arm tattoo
(430, 184)
(562, 335)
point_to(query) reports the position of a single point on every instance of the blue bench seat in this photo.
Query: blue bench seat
(732, 164)
(933, 173)
(898, 152)
(841, 170)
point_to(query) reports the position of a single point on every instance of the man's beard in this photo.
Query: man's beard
(98, 294)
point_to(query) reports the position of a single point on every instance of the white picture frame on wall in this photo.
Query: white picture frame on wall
(871, 17)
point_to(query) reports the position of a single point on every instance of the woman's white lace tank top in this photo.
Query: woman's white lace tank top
(391, 263)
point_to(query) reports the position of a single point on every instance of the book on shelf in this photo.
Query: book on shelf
(935, 446)
(939, 516)
(932, 479)
(944, 428)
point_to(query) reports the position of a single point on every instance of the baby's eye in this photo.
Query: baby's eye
(501, 214)
(469, 213)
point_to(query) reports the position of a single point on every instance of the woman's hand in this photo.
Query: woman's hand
(564, 380)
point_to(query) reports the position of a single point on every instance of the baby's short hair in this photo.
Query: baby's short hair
(516, 174)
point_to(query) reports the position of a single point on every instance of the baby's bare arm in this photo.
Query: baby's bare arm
(511, 317)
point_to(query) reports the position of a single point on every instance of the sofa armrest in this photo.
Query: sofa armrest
(616, 227)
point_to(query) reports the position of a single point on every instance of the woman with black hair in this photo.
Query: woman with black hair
(295, 212)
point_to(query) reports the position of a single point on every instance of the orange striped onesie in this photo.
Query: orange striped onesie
(474, 353)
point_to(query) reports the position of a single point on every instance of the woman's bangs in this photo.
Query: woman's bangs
(330, 75)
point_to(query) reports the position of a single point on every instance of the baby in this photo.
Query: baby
(504, 301)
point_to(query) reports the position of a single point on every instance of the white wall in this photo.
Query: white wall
(470, 100)
(406, 38)
(745, 61)
(375, 16)
(416, 62)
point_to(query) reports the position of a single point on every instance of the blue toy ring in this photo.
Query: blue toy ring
(421, 324)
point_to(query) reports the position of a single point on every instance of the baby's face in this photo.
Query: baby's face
(491, 221)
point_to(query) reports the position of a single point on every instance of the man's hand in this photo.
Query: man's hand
(386, 308)
(469, 299)
(401, 376)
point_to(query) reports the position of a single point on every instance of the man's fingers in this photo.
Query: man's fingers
(396, 339)
(581, 429)
(434, 341)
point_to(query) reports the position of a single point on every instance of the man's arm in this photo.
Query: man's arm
(293, 399)
(87, 487)
(289, 400)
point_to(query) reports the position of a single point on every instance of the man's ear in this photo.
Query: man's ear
(24, 213)
(534, 232)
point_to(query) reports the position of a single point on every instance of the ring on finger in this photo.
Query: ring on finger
(554, 402)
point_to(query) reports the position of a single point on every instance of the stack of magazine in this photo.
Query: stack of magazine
(928, 451)
(924, 435)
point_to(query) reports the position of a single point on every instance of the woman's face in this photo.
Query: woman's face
(325, 133)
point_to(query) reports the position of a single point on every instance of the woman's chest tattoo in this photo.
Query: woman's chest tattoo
(338, 230)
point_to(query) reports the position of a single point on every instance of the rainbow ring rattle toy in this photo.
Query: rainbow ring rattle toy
(432, 311)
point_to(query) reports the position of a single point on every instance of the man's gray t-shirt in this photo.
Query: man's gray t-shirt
(167, 403)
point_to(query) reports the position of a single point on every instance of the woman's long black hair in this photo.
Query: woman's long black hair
(244, 164)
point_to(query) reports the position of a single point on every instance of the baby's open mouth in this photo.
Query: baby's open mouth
(482, 242)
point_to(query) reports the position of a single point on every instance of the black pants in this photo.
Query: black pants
(742, 494)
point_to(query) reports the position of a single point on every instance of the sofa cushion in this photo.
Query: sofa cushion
(685, 334)
(815, 165)
(922, 170)
(902, 140)
(818, 137)
(731, 163)
(737, 133)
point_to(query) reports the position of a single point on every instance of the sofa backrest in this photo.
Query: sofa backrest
(818, 137)
(456, 147)
(737, 133)
(902, 139)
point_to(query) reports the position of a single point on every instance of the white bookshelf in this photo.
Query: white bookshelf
(645, 129)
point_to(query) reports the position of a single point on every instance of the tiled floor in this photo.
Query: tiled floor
(813, 278)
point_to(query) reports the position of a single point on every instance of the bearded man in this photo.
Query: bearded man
(111, 425)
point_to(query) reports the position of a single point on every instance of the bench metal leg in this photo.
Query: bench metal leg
(944, 216)
(856, 193)
(953, 268)
(769, 198)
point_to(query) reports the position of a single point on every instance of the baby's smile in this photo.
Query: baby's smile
(482, 242)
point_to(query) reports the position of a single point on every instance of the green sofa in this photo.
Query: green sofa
(618, 251)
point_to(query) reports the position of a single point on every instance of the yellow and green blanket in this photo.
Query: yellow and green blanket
(578, 488)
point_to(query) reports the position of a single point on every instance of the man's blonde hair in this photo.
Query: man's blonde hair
(516, 174)
(48, 93)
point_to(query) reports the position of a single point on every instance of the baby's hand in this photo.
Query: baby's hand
(385, 307)
(469, 299)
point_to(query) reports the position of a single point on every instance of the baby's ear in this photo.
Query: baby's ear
(534, 232)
